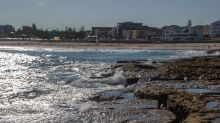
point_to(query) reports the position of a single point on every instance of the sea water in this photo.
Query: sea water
(54, 84)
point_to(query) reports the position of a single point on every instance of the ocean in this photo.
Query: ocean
(54, 84)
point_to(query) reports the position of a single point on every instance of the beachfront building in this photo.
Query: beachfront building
(128, 30)
(168, 32)
(134, 31)
(206, 31)
(6, 30)
(102, 33)
(27, 30)
(215, 29)
(187, 33)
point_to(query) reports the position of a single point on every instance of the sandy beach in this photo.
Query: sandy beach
(77, 45)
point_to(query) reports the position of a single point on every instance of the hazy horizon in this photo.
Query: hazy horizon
(54, 14)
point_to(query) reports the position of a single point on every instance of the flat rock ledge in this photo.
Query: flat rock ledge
(188, 107)
(120, 106)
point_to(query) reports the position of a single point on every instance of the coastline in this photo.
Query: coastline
(180, 90)
(187, 87)
(135, 46)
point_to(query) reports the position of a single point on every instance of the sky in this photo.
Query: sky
(54, 14)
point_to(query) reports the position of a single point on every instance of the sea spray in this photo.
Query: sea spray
(64, 74)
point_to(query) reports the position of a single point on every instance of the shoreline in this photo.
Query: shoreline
(137, 46)
(181, 90)
(187, 87)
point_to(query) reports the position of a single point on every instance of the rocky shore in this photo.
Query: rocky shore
(185, 90)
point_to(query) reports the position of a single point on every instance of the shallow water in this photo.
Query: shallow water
(213, 105)
(48, 85)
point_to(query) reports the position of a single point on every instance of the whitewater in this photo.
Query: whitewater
(54, 84)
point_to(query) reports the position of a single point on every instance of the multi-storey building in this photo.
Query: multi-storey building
(6, 30)
(187, 33)
(126, 30)
(102, 33)
(133, 31)
(215, 29)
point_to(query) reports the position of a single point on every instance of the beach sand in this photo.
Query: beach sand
(150, 46)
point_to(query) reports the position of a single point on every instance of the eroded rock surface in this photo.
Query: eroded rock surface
(188, 87)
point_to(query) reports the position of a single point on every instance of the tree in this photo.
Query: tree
(34, 27)
(74, 33)
(82, 33)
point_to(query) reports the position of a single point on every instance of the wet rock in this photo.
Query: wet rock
(135, 111)
(107, 74)
(145, 66)
(154, 62)
(213, 51)
(30, 94)
(111, 95)
(182, 104)
(128, 61)
(151, 91)
(131, 103)
(198, 68)
(187, 87)
(131, 81)
(128, 116)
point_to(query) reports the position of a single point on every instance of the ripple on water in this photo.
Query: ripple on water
(52, 85)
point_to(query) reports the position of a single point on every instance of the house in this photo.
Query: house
(168, 32)
(177, 33)
(215, 29)
(6, 30)
(206, 30)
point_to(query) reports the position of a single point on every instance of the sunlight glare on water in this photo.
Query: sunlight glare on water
(41, 85)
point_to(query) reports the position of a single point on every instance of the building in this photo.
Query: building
(127, 30)
(134, 31)
(215, 29)
(187, 33)
(102, 33)
(206, 31)
(27, 30)
(6, 30)
(168, 32)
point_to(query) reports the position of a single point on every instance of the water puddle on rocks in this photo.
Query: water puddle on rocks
(198, 90)
(213, 105)
(202, 91)
(216, 120)
(176, 85)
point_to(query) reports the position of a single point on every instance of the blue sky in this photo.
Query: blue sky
(74, 13)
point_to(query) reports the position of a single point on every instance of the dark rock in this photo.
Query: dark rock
(213, 51)
(131, 81)
(192, 68)
(154, 62)
(144, 66)
(128, 61)
(110, 95)
(170, 82)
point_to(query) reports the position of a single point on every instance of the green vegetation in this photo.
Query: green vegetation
(35, 33)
